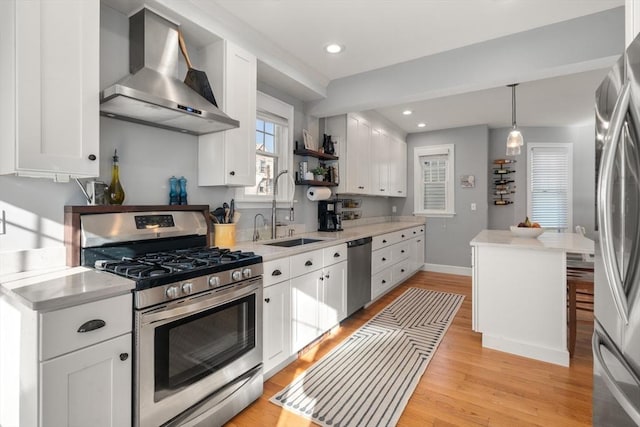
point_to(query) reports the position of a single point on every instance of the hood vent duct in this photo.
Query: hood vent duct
(152, 95)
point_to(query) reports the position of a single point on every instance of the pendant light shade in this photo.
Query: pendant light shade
(514, 140)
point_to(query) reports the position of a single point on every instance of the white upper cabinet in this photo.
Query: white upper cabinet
(397, 167)
(379, 163)
(229, 157)
(49, 80)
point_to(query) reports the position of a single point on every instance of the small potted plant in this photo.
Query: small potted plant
(319, 173)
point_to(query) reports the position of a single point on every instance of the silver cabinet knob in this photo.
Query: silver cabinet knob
(214, 281)
(246, 273)
(236, 275)
(172, 292)
(187, 288)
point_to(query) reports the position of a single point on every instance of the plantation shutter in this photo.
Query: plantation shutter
(550, 186)
(434, 176)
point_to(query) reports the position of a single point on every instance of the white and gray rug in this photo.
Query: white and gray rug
(368, 379)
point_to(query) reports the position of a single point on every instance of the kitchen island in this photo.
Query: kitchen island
(519, 292)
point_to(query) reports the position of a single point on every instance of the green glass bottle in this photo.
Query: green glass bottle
(116, 192)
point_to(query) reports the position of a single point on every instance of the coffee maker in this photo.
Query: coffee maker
(329, 215)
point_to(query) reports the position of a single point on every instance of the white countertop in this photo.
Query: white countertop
(56, 288)
(269, 253)
(549, 240)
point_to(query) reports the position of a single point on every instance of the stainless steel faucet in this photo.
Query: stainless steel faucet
(256, 235)
(273, 204)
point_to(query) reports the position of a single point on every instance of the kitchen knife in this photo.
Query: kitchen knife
(232, 210)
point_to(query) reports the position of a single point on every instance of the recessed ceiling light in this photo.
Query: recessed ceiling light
(407, 112)
(334, 48)
(421, 125)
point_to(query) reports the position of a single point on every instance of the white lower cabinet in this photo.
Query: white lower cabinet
(394, 257)
(277, 324)
(305, 310)
(88, 387)
(333, 292)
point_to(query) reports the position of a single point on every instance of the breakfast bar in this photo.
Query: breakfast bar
(519, 292)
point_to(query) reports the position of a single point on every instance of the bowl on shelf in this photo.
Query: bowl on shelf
(526, 231)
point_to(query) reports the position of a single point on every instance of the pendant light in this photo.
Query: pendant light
(514, 140)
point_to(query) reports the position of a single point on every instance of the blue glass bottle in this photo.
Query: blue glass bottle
(174, 195)
(183, 190)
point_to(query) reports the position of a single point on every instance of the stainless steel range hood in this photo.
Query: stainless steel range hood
(152, 95)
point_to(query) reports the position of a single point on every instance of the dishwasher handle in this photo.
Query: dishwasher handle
(359, 242)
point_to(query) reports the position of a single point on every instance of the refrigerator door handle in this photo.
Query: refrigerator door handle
(605, 185)
(601, 340)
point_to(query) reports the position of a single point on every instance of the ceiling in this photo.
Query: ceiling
(379, 33)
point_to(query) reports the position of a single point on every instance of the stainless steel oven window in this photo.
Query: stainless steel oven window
(191, 348)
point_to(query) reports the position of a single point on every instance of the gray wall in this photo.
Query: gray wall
(583, 140)
(447, 239)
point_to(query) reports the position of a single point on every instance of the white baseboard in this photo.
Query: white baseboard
(449, 269)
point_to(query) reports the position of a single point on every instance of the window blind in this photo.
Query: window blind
(434, 176)
(550, 182)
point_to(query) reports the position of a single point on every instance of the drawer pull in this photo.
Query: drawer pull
(336, 255)
(384, 259)
(403, 236)
(326, 276)
(321, 278)
(276, 273)
(91, 325)
(124, 356)
(402, 270)
(384, 281)
(267, 300)
(384, 241)
(402, 251)
(308, 263)
(419, 241)
(232, 173)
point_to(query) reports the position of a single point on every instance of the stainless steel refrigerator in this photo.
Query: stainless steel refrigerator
(616, 338)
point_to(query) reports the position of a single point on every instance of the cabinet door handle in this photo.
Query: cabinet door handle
(384, 259)
(92, 157)
(382, 189)
(91, 325)
(402, 270)
(384, 281)
(321, 278)
(326, 276)
(267, 300)
(124, 356)
(402, 251)
(403, 236)
(419, 241)
(276, 273)
(232, 173)
(336, 255)
(384, 241)
(308, 263)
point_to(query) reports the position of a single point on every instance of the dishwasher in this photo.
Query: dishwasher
(358, 274)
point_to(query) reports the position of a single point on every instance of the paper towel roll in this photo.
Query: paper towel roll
(318, 193)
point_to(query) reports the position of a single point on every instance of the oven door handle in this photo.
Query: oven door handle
(176, 310)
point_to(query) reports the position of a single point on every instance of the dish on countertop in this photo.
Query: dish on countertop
(526, 231)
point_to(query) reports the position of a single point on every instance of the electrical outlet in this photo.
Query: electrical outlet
(393, 209)
(473, 206)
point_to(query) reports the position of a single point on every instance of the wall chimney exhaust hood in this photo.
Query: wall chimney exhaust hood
(152, 95)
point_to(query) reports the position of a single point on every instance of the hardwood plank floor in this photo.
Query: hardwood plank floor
(464, 383)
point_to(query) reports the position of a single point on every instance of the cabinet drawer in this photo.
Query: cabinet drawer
(334, 254)
(404, 235)
(417, 231)
(381, 259)
(380, 283)
(59, 330)
(306, 262)
(275, 271)
(384, 240)
(400, 251)
(400, 271)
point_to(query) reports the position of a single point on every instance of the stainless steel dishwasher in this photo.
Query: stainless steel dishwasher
(358, 274)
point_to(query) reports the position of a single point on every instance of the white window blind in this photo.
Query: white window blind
(433, 180)
(550, 185)
(434, 176)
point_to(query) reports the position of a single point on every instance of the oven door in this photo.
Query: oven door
(188, 349)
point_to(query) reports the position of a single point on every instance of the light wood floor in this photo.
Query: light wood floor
(464, 383)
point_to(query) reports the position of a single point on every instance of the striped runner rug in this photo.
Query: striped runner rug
(368, 379)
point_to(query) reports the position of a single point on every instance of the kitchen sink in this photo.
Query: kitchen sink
(294, 242)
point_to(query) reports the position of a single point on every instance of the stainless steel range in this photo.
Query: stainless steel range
(197, 332)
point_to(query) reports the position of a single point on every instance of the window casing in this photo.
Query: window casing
(274, 140)
(434, 191)
(550, 184)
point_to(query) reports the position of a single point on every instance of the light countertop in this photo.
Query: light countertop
(56, 288)
(269, 253)
(549, 240)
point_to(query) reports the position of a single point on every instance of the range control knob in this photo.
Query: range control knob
(214, 281)
(246, 273)
(172, 292)
(187, 288)
(236, 275)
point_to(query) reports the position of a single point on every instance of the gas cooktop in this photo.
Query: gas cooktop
(164, 267)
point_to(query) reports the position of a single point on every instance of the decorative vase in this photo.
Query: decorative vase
(319, 177)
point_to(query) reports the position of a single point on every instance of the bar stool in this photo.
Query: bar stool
(580, 297)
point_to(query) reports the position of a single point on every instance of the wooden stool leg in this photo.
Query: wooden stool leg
(572, 317)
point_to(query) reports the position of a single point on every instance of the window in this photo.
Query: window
(550, 184)
(433, 180)
(273, 151)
